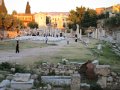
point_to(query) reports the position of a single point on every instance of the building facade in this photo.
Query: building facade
(58, 19)
(111, 9)
(40, 19)
(116, 8)
(25, 18)
(100, 10)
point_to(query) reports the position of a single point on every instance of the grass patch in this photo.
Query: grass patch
(10, 45)
(107, 56)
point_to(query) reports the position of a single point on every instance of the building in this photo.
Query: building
(40, 19)
(116, 8)
(58, 19)
(111, 9)
(25, 18)
(100, 10)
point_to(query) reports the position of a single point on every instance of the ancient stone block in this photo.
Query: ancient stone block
(75, 82)
(103, 70)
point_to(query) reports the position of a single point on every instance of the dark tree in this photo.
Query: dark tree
(112, 22)
(28, 11)
(89, 20)
(33, 25)
(74, 27)
(14, 12)
(3, 8)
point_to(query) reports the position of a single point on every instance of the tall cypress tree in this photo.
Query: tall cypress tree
(28, 11)
(3, 7)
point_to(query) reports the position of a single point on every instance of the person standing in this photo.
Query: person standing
(76, 38)
(17, 47)
(46, 39)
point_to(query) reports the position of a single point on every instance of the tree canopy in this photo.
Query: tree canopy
(113, 22)
(8, 22)
(14, 12)
(33, 25)
(82, 16)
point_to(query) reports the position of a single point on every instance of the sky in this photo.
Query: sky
(56, 5)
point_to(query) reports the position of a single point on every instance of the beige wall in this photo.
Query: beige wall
(40, 18)
(59, 20)
(116, 8)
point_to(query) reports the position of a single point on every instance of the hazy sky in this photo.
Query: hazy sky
(55, 5)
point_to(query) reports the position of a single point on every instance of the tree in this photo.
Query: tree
(83, 17)
(101, 16)
(14, 12)
(69, 25)
(3, 8)
(112, 22)
(74, 27)
(80, 14)
(8, 22)
(33, 25)
(28, 11)
(86, 21)
(72, 17)
(89, 19)
(107, 15)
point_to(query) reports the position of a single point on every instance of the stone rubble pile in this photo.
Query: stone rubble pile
(62, 74)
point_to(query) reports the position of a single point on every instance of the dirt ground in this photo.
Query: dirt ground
(74, 51)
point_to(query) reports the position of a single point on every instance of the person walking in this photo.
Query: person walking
(17, 47)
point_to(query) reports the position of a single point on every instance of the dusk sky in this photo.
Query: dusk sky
(56, 5)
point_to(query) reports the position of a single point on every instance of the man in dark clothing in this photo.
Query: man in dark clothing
(17, 47)
(76, 38)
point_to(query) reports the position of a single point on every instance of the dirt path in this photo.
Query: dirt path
(47, 54)
(26, 54)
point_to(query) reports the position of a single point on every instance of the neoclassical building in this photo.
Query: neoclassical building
(100, 10)
(25, 18)
(40, 19)
(116, 8)
(58, 19)
(111, 9)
